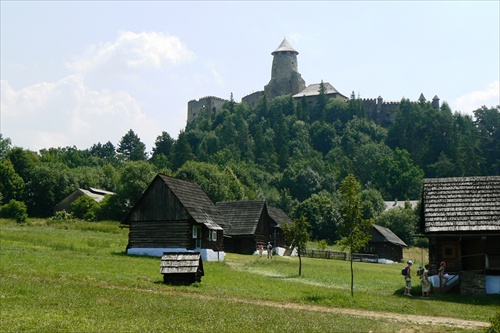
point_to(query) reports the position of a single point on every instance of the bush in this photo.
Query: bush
(62, 215)
(322, 244)
(15, 210)
(84, 208)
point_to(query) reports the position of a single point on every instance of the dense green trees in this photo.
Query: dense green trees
(131, 147)
(402, 221)
(282, 150)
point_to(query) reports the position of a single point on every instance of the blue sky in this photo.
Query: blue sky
(79, 73)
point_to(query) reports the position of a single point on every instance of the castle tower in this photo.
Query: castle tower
(435, 102)
(285, 78)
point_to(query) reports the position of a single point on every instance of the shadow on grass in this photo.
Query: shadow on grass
(453, 297)
(125, 254)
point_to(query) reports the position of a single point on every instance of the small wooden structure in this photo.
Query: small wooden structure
(249, 225)
(385, 244)
(461, 219)
(181, 267)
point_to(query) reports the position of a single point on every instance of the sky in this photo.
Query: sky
(78, 73)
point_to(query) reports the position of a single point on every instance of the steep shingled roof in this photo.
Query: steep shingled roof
(461, 204)
(285, 47)
(242, 216)
(193, 199)
(278, 216)
(386, 235)
(196, 202)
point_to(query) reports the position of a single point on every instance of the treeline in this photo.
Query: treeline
(280, 151)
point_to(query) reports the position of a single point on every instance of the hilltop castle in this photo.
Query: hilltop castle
(286, 80)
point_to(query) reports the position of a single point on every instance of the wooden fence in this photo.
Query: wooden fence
(327, 254)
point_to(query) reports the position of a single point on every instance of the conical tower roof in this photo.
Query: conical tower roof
(285, 47)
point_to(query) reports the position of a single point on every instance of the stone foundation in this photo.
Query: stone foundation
(473, 283)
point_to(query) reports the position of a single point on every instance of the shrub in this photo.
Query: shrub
(322, 244)
(62, 215)
(84, 207)
(15, 210)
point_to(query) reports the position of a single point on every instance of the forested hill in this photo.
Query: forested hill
(306, 152)
(278, 151)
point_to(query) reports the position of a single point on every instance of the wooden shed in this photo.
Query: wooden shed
(385, 244)
(278, 218)
(461, 219)
(94, 193)
(175, 215)
(181, 267)
(249, 225)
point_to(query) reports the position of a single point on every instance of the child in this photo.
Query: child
(442, 275)
(408, 279)
(420, 271)
(426, 284)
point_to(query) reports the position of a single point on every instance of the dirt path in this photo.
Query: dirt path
(389, 316)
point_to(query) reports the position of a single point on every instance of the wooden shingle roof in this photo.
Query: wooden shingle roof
(242, 216)
(384, 234)
(468, 204)
(195, 201)
(181, 262)
(278, 216)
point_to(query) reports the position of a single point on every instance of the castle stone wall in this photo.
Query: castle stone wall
(204, 103)
(382, 113)
(253, 98)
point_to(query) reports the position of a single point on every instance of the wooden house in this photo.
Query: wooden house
(94, 193)
(385, 244)
(278, 218)
(461, 219)
(181, 267)
(249, 225)
(175, 215)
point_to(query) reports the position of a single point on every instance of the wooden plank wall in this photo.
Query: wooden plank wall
(157, 234)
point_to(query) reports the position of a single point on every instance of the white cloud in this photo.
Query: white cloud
(69, 113)
(132, 50)
(490, 96)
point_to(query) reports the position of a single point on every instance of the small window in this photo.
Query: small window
(196, 231)
(212, 235)
(449, 251)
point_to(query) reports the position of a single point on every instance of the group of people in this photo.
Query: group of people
(423, 274)
(269, 250)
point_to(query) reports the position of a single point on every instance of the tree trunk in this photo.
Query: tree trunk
(300, 265)
(352, 277)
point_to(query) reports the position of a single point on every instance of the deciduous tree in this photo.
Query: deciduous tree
(354, 228)
(297, 235)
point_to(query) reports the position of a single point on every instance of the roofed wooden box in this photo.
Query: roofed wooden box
(181, 267)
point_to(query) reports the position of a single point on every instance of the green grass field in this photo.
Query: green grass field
(73, 276)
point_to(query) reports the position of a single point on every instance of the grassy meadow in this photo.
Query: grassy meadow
(73, 276)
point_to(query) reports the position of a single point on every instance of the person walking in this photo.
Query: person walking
(269, 250)
(408, 279)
